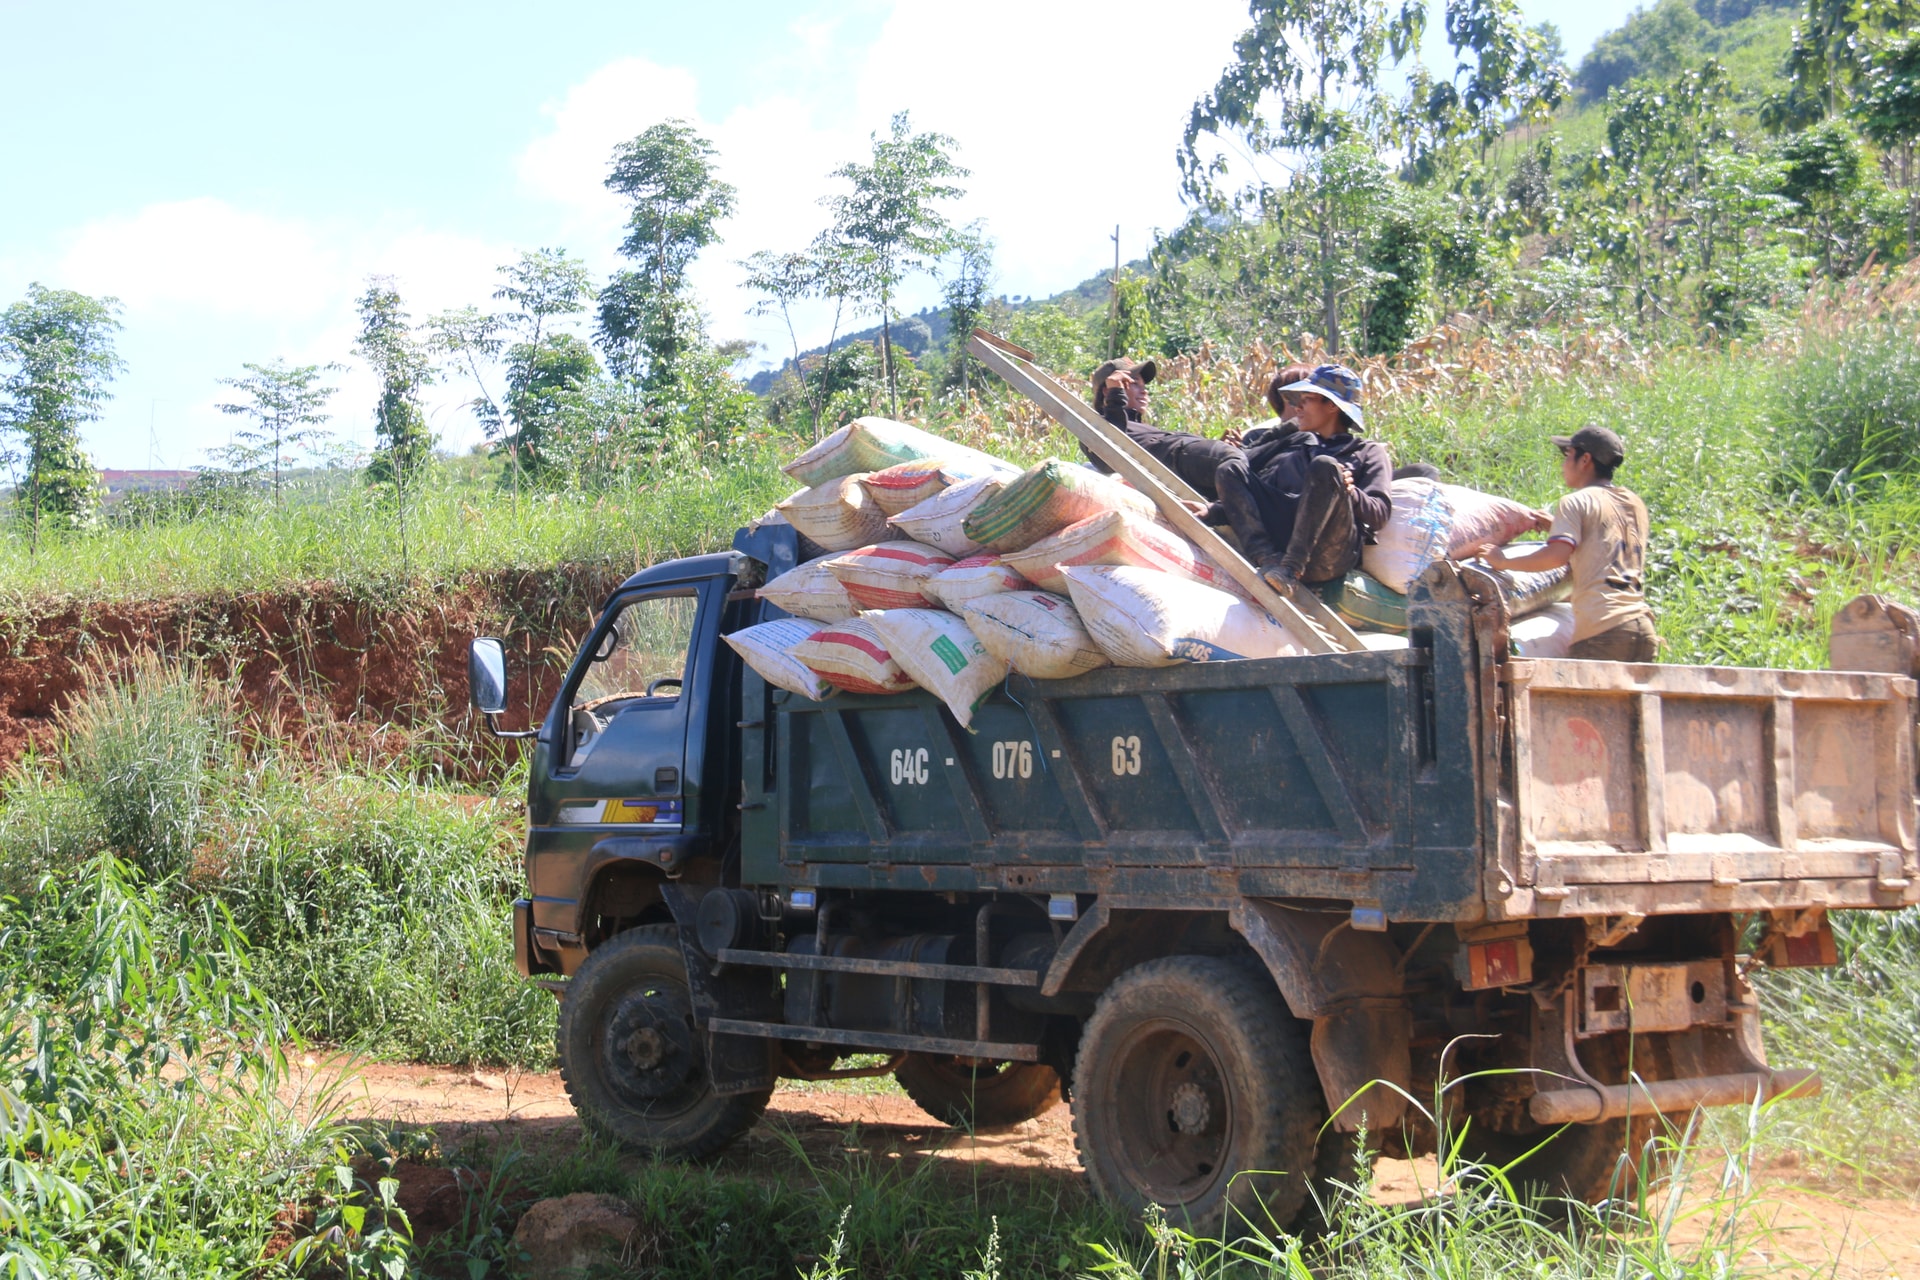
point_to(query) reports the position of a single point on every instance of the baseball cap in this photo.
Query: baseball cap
(1598, 443)
(1145, 371)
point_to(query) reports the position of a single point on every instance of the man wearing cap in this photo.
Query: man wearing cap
(1600, 530)
(1306, 493)
(1120, 396)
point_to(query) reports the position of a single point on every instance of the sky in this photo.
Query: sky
(232, 173)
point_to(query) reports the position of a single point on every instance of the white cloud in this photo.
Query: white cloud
(568, 163)
(204, 254)
(1067, 131)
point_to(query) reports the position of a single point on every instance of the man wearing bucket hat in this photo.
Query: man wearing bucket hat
(1600, 530)
(1120, 396)
(1306, 493)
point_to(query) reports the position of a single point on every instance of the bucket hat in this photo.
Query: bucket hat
(1339, 384)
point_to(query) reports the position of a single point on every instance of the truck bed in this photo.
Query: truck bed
(1429, 783)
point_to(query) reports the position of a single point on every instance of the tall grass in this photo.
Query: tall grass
(1859, 1025)
(343, 532)
(143, 1128)
(376, 907)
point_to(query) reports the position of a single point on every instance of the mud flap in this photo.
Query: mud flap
(736, 1064)
(1348, 985)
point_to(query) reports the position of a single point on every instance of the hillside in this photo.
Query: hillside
(1748, 39)
(930, 329)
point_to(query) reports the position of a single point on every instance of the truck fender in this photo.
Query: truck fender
(736, 1064)
(1348, 985)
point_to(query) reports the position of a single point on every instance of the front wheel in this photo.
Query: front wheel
(1195, 1091)
(633, 1058)
(970, 1095)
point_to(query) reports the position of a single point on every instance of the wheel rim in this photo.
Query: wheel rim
(649, 1052)
(1174, 1113)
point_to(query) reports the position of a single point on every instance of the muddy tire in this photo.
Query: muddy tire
(634, 1063)
(1582, 1162)
(988, 1096)
(1194, 1090)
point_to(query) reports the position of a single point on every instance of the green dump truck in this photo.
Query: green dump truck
(1231, 911)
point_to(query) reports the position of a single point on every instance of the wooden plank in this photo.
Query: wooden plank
(1308, 617)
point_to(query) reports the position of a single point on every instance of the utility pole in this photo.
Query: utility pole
(1113, 298)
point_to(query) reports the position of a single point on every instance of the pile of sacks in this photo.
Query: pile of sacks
(944, 568)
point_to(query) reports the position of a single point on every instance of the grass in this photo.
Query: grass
(336, 530)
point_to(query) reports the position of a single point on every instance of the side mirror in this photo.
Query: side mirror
(487, 676)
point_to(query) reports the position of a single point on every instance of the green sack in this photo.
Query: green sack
(1367, 604)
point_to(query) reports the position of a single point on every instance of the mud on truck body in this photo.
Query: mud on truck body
(1231, 911)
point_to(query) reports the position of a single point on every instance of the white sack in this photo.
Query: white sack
(1037, 632)
(810, 591)
(768, 649)
(940, 520)
(1143, 618)
(942, 655)
(838, 515)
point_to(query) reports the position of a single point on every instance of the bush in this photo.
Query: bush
(140, 752)
(1852, 409)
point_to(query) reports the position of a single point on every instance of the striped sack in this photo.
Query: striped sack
(851, 655)
(892, 575)
(1047, 499)
(1117, 537)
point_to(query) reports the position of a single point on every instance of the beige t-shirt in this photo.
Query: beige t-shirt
(1607, 526)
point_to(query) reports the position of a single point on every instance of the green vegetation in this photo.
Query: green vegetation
(1696, 238)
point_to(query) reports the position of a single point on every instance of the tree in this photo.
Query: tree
(544, 382)
(966, 295)
(287, 408)
(400, 361)
(890, 215)
(60, 344)
(1888, 110)
(1305, 79)
(782, 280)
(646, 318)
(1823, 169)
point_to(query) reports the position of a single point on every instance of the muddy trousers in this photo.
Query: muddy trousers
(1194, 459)
(1632, 641)
(1314, 534)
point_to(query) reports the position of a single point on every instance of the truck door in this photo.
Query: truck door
(622, 753)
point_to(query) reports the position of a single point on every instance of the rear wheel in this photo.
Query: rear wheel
(1194, 1090)
(984, 1095)
(634, 1060)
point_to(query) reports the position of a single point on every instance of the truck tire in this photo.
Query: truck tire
(1587, 1163)
(633, 1060)
(1194, 1090)
(987, 1096)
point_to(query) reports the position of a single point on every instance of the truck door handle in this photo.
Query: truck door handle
(666, 781)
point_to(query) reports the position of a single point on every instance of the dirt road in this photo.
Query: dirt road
(1807, 1229)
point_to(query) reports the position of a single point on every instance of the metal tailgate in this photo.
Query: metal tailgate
(1662, 789)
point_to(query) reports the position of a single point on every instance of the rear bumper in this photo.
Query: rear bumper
(1592, 1104)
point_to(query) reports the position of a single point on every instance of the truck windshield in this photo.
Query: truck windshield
(643, 655)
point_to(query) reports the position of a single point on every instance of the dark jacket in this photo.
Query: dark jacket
(1280, 458)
